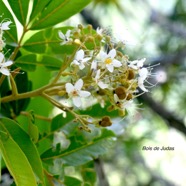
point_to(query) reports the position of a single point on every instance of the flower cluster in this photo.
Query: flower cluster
(100, 70)
(4, 64)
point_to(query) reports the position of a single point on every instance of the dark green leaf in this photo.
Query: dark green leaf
(88, 173)
(20, 9)
(78, 153)
(58, 11)
(71, 181)
(65, 124)
(25, 144)
(15, 159)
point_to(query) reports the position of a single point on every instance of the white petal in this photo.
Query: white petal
(5, 71)
(69, 87)
(133, 66)
(1, 57)
(97, 75)
(116, 63)
(112, 53)
(76, 101)
(5, 25)
(94, 65)
(81, 66)
(80, 55)
(6, 64)
(99, 31)
(102, 85)
(84, 94)
(79, 84)
(103, 55)
(116, 98)
(110, 67)
(86, 59)
(75, 62)
(68, 33)
(141, 85)
(61, 35)
(140, 62)
(143, 73)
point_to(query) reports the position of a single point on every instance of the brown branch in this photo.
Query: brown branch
(100, 172)
(175, 28)
(171, 119)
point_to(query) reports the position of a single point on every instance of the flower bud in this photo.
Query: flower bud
(76, 34)
(80, 26)
(129, 96)
(105, 122)
(131, 74)
(121, 92)
(89, 27)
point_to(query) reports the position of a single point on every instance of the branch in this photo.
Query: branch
(100, 172)
(89, 19)
(175, 28)
(172, 120)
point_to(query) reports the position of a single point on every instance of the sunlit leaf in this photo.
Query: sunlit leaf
(25, 144)
(44, 40)
(78, 153)
(16, 160)
(38, 6)
(30, 61)
(58, 11)
(20, 9)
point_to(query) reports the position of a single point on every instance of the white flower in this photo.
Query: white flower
(75, 92)
(80, 60)
(5, 25)
(143, 74)
(4, 65)
(65, 37)
(137, 64)
(109, 60)
(99, 31)
(141, 85)
(94, 65)
(98, 82)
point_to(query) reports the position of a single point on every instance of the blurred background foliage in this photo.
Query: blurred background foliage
(155, 30)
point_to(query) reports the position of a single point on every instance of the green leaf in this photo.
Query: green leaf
(16, 160)
(10, 35)
(71, 181)
(20, 9)
(15, 107)
(98, 111)
(88, 173)
(25, 144)
(65, 124)
(44, 40)
(78, 153)
(38, 6)
(30, 61)
(58, 11)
